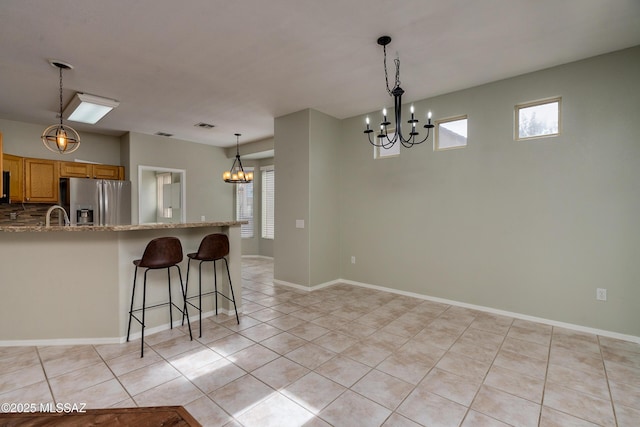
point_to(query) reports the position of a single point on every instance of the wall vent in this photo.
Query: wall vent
(164, 134)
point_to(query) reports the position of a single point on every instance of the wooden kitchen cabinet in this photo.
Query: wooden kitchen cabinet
(1, 169)
(90, 170)
(15, 166)
(41, 179)
(108, 172)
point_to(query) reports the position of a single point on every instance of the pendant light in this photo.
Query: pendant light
(384, 139)
(61, 138)
(237, 175)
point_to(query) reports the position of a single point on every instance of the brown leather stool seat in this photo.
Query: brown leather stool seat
(213, 247)
(162, 252)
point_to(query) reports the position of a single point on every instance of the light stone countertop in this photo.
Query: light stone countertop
(132, 227)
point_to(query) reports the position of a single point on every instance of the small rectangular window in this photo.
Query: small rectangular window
(381, 152)
(537, 119)
(451, 133)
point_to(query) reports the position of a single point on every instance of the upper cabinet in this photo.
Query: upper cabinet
(38, 180)
(89, 170)
(41, 181)
(15, 166)
(1, 169)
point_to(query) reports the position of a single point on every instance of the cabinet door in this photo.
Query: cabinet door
(1, 168)
(106, 172)
(15, 166)
(75, 170)
(41, 181)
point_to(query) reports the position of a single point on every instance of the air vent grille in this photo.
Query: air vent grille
(204, 125)
(164, 134)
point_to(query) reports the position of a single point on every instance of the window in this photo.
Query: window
(268, 201)
(538, 119)
(244, 207)
(451, 133)
(381, 152)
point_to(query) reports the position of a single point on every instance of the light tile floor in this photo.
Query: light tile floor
(346, 356)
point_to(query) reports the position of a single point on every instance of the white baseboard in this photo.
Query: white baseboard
(258, 256)
(570, 326)
(307, 288)
(62, 341)
(112, 340)
(160, 328)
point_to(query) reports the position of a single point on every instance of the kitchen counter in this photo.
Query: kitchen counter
(72, 285)
(132, 227)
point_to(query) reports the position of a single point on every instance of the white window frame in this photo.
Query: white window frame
(268, 202)
(518, 107)
(436, 137)
(387, 153)
(246, 230)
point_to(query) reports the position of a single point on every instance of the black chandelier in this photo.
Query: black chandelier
(383, 139)
(237, 175)
(61, 138)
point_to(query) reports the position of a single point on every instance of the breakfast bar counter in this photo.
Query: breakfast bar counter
(72, 284)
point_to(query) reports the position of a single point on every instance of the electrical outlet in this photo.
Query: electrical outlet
(601, 294)
(353, 260)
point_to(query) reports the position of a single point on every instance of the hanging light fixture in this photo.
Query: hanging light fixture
(237, 175)
(61, 138)
(383, 139)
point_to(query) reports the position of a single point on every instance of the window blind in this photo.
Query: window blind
(268, 202)
(244, 207)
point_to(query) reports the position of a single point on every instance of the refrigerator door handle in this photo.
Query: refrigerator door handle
(101, 204)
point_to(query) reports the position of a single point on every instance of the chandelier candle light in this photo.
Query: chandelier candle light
(383, 139)
(61, 138)
(237, 175)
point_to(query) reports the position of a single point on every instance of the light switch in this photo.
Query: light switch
(299, 223)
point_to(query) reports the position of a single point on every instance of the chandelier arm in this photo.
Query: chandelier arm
(389, 141)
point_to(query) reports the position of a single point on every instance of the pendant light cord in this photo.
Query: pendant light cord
(60, 96)
(386, 75)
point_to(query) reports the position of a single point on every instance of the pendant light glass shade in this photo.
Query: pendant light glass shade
(61, 138)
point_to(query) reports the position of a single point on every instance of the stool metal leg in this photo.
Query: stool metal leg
(133, 293)
(185, 312)
(200, 296)
(170, 302)
(144, 302)
(215, 284)
(233, 297)
(184, 296)
(186, 291)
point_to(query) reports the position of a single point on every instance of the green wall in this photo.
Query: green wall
(23, 139)
(528, 227)
(206, 194)
(531, 228)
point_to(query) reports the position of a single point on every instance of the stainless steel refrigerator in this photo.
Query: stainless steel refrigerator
(96, 201)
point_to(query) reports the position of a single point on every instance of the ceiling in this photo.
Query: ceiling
(239, 64)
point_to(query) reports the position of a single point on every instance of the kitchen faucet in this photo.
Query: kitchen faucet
(51, 209)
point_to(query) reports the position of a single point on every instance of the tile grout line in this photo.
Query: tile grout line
(606, 376)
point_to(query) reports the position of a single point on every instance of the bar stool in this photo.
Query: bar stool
(162, 252)
(213, 247)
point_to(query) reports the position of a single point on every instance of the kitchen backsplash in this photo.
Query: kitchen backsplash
(25, 214)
